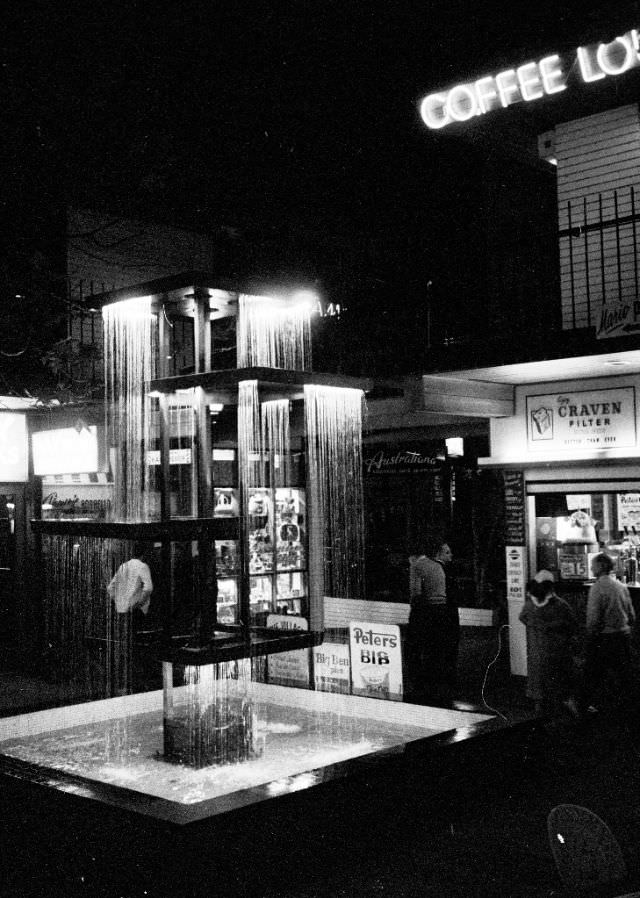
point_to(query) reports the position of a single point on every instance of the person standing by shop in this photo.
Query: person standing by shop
(610, 617)
(551, 626)
(433, 630)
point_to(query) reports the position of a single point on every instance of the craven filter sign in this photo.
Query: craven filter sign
(583, 420)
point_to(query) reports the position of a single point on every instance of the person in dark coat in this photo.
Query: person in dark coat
(551, 626)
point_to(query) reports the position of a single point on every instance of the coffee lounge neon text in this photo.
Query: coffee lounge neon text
(530, 81)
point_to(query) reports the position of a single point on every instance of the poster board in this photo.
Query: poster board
(376, 660)
(289, 668)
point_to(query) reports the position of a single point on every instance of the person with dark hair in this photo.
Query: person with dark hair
(610, 617)
(434, 628)
(551, 626)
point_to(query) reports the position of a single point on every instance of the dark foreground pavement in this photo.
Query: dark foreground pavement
(470, 821)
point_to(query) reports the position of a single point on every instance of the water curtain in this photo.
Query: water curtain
(276, 442)
(273, 333)
(129, 354)
(182, 430)
(334, 431)
(78, 616)
(248, 438)
(213, 700)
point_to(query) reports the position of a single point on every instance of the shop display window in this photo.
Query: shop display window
(277, 553)
(227, 560)
(260, 599)
(228, 571)
(227, 600)
(570, 528)
(277, 550)
(225, 503)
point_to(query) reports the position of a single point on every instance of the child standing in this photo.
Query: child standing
(551, 626)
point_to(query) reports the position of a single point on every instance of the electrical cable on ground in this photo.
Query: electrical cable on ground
(486, 674)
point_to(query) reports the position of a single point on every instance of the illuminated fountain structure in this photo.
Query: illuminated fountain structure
(259, 545)
(245, 482)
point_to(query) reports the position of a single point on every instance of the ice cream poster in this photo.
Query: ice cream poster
(629, 512)
(582, 420)
(376, 660)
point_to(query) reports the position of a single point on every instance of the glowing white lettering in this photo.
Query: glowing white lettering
(508, 85)
(432, 110)
(464, 101)
(616, 57)
(586, 68)
(552, 75)
(486, 94)
(530, 84)
(461, 103)
(530, 81)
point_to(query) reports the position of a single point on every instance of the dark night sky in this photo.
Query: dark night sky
(280, 117)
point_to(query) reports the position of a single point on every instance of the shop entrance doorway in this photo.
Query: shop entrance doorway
(12, 503)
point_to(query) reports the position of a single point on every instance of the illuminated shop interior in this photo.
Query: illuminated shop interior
(570, 528)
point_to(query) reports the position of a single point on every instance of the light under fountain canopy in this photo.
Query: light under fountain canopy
(223, 384)
(177, 292)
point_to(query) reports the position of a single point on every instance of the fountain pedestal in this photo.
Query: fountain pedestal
(221, 733)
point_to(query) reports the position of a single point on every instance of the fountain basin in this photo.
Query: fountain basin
(111, 751)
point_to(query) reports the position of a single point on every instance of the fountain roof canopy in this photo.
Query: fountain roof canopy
(179, 290)
(223, 384)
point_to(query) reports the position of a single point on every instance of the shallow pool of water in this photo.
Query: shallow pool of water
(300, 733)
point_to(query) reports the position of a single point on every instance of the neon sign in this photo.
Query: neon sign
(530, 81)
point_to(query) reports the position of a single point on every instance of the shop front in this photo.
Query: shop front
(570, 462)
(13, 497)
(417, 487)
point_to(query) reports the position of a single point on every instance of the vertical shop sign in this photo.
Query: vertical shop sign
(515, 600)
(514, 526)
(376, 660)
(515, 573)
(332, 667)
(289, 668)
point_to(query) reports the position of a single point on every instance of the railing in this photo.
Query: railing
(599, 264)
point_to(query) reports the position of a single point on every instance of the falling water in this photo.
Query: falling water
(248, 438)
(129, 354)
(216, 721)
(273, 333)
(88, 645)
(87, 642)
(182, 429)
(334, 431)
(276, 442)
